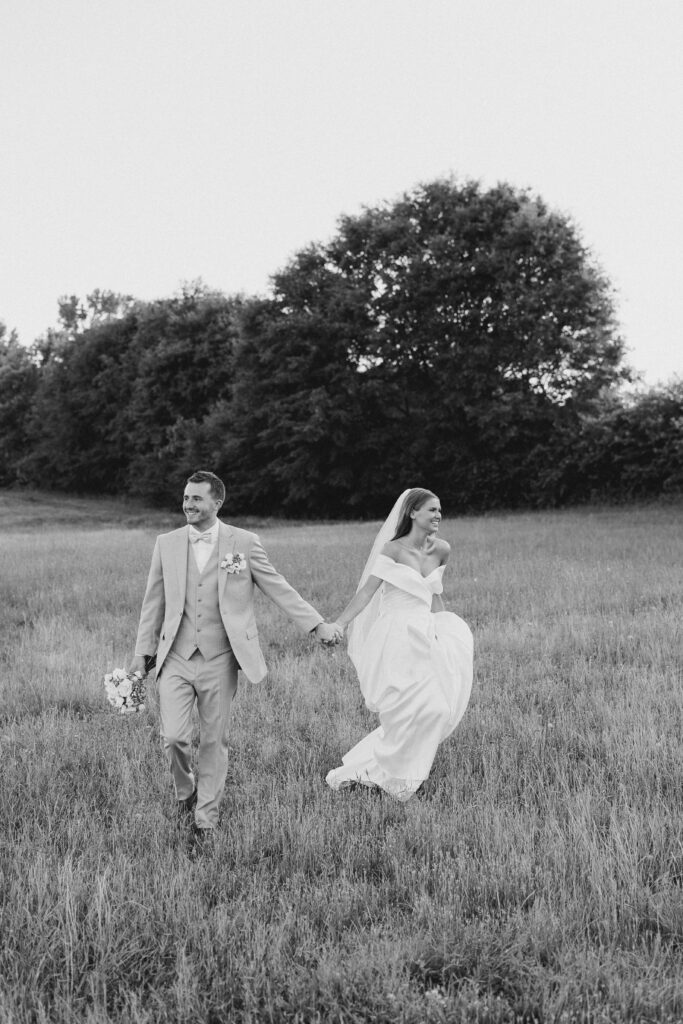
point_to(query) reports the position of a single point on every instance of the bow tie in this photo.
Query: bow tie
(196, 537)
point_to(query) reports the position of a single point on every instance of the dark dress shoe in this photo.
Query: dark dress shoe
(186, 807)
(203, 840)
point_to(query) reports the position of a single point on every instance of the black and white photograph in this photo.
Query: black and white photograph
(341, 512)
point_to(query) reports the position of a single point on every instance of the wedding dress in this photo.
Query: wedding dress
(415, 671)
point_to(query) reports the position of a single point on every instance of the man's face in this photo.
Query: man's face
(199, 506)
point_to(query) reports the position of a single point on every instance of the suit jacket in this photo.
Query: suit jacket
(164, 600)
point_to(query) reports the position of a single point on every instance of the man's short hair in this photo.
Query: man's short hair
(203, 476)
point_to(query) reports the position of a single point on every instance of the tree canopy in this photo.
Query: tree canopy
(438, 338)
(459, 338)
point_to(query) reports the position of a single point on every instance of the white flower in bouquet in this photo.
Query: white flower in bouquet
(124, 691)
(125, 688)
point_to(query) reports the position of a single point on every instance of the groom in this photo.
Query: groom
(198, 619)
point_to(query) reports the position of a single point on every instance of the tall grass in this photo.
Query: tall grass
(540, 878)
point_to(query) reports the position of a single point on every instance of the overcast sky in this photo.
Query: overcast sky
(144, 143)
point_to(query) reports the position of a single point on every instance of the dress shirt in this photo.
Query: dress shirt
(203, 544)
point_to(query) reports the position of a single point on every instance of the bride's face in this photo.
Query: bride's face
(428, 516)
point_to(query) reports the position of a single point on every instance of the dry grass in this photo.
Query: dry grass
(540, 880)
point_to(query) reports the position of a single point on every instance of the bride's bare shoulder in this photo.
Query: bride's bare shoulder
(391, 549)
(442, 549)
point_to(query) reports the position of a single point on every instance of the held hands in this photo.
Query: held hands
(328, 633)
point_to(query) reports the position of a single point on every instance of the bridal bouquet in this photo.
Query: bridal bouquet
(124, 691)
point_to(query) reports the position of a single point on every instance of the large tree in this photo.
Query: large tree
(115, 401)
(459, 328)
(185, 367)
(626, 448)
(77, 425)
(454, 338)
(283, 436)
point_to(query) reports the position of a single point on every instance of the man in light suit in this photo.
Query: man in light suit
(198, 619)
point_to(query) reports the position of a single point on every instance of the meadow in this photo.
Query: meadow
(538, 879)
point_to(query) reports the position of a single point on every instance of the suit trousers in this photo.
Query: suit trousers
(213, 685)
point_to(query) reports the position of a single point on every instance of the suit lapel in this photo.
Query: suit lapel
(226, 546)
(183, 544)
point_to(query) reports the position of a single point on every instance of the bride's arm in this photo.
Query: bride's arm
(357, 603)
(444, 553)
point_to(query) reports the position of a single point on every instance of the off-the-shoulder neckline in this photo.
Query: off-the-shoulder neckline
(412, 568)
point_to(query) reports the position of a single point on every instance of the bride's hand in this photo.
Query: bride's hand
(326, 633)
(338, 629)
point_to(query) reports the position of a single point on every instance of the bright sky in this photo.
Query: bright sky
(144, 143)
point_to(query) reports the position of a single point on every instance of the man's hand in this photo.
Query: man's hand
(328, 633)
(137, 664)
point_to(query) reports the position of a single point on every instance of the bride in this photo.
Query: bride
(413, 658)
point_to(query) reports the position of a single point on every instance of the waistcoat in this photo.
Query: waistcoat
(201, 627)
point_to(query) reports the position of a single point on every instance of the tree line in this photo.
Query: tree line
(459, 338)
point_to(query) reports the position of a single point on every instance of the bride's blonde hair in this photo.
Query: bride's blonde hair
(414, 499)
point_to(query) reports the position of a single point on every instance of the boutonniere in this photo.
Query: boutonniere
(234, 563)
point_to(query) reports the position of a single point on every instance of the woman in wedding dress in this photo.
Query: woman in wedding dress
(413, 658)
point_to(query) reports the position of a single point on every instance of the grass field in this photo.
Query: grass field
(540, 879)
